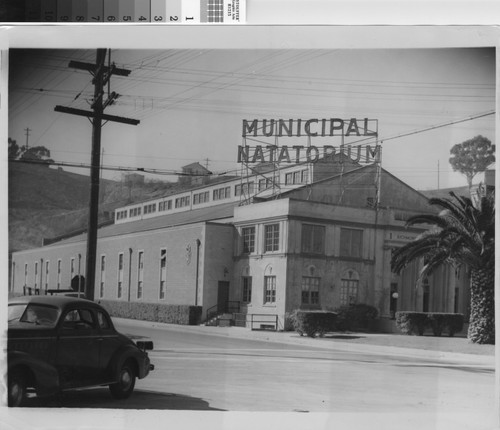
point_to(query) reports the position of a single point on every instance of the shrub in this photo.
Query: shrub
(437, 321)
(290, 318)
(417, 322)
(455, 324)
(314, 323)
(440, 322)
(355, 316)
(411, 322)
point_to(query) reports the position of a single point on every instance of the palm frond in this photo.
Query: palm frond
(461, 233)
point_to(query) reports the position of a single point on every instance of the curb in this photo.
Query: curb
(486, 361)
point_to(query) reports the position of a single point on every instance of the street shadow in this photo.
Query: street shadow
(342, 336)
(469, 369)
(140, 399)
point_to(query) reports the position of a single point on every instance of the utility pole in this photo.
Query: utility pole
(102, 75)
(27, 130)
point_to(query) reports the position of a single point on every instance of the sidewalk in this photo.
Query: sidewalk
(456, 349)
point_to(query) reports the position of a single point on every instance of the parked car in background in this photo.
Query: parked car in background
(57, 343)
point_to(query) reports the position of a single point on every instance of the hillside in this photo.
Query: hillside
(46, 203)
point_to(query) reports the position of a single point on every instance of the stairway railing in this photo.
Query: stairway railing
(230, 307)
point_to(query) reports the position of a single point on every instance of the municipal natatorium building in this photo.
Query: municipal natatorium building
(302, 227)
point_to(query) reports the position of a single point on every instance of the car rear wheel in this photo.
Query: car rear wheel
(17, 389)
(126, 381)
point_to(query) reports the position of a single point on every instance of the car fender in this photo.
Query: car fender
(45, 377)
(126, 352)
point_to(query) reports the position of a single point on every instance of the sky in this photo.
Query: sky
(191, 104)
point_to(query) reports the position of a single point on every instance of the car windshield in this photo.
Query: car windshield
(33, 313)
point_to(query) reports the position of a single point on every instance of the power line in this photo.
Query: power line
(434, 127)
(103, 167)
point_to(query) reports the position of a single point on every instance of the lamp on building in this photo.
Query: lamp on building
(395, 295)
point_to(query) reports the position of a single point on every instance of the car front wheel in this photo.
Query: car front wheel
(126, 382)
(17, 389)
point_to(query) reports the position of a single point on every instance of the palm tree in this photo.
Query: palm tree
(462, 234)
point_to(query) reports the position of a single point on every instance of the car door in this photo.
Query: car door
(110, 342)
(78, 348)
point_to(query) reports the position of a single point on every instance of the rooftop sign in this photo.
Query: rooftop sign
(310, 127)
(294, 128)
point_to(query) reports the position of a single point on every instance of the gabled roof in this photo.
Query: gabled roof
(195, 166)
(219, 213)
(343, 178)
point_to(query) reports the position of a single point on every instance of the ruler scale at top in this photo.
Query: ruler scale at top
(139, 11)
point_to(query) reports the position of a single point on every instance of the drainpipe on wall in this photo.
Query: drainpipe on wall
(129, 271)
(198, 243)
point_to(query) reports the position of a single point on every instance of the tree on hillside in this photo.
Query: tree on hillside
(36, 153)
(462, 234)
(14, 149)
(472, 156)
(39, 153)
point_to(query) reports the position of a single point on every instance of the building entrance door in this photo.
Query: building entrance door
(222, 296)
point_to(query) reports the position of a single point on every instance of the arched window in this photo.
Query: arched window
(426, 294)
(349, 284)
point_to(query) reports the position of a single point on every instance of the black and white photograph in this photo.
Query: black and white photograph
(281, 231)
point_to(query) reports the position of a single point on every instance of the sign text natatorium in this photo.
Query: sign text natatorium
(311, 154)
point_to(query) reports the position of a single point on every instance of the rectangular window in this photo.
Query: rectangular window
(310, 290)
(103, 275)
(46, 275)
(304, 176)
(288, 178)
(200, 198)
(26, 274)
(59, 264)
(72, 269)
(246, 296)
(182, 201)
(149, 209)
(313, 239)
(36, 275)
(296, 177)
(222, 193)
(135, 212)
(163, 273)
(248, 234)
(351, 243)
(165, 206)
(244, 189)
(271, 237)
(269, 289)
(119, 292)
(140, 274)
(265, 183)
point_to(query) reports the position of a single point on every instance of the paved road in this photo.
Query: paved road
(198, 369)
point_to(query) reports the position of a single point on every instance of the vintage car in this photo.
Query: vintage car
(56, 343)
